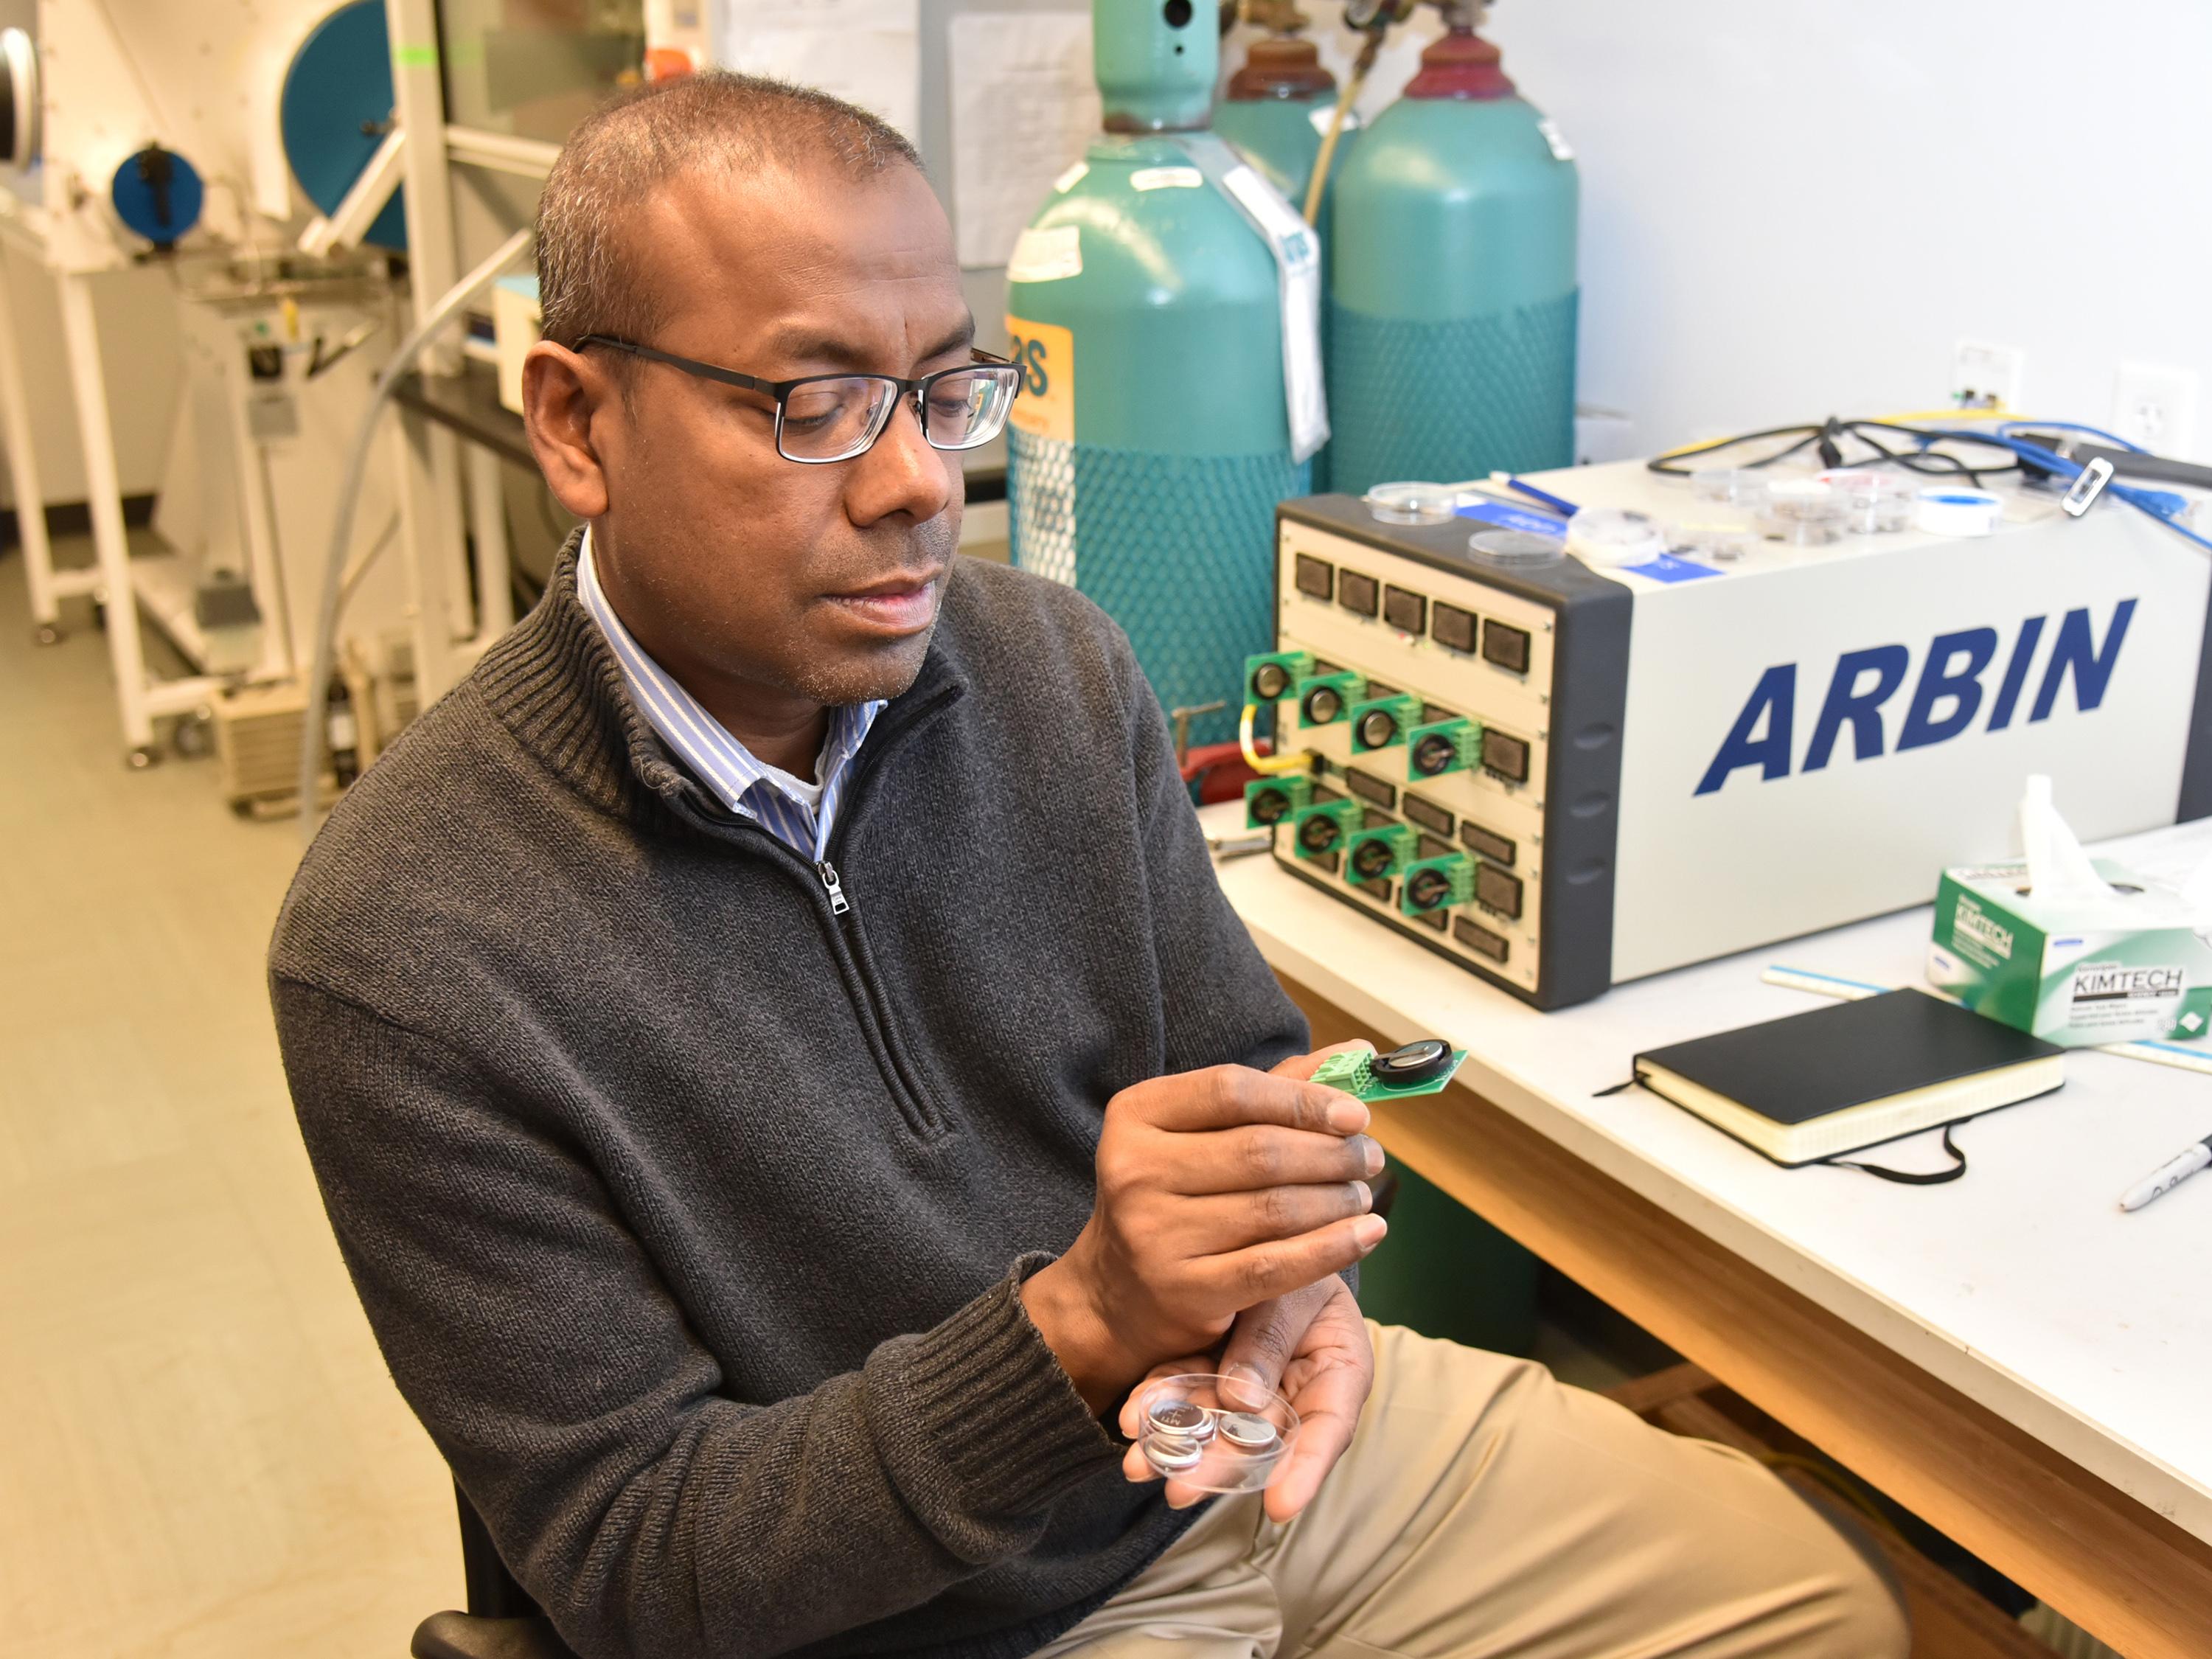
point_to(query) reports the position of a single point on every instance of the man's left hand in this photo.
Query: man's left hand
(1310, 1346)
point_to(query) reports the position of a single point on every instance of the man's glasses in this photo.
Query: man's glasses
(833, 417)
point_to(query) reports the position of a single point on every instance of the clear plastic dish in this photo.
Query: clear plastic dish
(1875, 503)
(1803, 512)
(1739, 486)
(1606, 536)
(1409, 501)
(1516, 547)
(1722, 543)
(1219, 1434)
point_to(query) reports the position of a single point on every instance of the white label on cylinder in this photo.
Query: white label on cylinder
(1167, 179)
(1069, 180)
(1325, 114)
(1046, 255)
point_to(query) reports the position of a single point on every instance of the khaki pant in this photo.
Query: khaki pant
(1484, 1510)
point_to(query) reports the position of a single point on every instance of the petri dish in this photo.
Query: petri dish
(1875, 503)
(1219, 1434)
(1803, 513)
(1516, 547)
(1739, 486)
(1409, 501)
(1605, 536)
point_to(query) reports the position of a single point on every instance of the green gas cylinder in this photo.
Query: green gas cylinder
(1452, 280)
(1151, 440)
(1276, 111)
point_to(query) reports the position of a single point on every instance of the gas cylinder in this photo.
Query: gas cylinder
(1277, 108)
(1452, 280)
(1152, 439)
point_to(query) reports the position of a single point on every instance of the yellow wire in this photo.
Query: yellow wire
(1266, 765)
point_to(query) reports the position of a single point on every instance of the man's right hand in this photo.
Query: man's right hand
(1217, 1189)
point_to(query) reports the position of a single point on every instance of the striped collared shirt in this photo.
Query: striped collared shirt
(800, 815)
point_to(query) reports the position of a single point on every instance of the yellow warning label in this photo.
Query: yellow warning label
(1046, 352)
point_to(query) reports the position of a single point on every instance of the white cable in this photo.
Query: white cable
(334, 567)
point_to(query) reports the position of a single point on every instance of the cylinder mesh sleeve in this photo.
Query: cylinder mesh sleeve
(1179, 549)
(1445, 401)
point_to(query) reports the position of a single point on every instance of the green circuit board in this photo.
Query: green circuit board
(1354, 1073)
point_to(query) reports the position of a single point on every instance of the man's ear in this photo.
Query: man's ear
(566, 398)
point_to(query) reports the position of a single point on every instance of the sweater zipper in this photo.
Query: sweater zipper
(904, 1077)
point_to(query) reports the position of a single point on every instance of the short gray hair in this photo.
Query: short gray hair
(588, 276)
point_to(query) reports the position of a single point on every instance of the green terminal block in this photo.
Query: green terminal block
(1322, 698)
(1451, 745)
(1437, 883)
(1269, 677)
(1354, 1073)
(1374, 854)
(1382, 722)
(1269, 800)
(1322, 828)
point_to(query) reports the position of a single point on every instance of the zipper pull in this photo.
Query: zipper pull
(838, 902)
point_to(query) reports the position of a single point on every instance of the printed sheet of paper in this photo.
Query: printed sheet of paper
(1024, 109)
(865, 51)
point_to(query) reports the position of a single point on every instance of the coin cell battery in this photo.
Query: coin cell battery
(1220, 1434)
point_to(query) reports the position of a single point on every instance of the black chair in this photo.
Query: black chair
(503, 1622)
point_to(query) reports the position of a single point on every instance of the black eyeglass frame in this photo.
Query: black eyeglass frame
(917, 389)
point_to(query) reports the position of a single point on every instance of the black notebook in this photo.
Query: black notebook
(1852, 1075)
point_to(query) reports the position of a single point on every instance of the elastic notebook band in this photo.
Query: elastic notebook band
(1908, 1177)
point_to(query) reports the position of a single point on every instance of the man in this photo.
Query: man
(781, 1071)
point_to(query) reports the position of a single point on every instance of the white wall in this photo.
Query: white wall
(1793, 209)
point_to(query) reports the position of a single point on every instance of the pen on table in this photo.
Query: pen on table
(1556, 503)
(2167, 1177)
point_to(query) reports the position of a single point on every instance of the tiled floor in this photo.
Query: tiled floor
(200, 1452)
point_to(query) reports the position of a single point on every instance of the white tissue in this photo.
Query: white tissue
(2058, 871)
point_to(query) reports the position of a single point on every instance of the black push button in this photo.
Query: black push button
(1506, 756)
(1496, 891)
(1487, 842)
(1449, 625)
(1368, 787)
(1482, 940)
(1356, 592)
(1505, 645)
(1428, 814)
(1406, 612)
(1316, 577)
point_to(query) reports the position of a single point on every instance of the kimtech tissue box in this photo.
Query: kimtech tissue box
(2074, 949)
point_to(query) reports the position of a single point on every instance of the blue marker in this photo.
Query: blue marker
(1565, 507)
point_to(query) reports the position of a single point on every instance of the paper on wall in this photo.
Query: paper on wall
(866, 51)
(1025, 108)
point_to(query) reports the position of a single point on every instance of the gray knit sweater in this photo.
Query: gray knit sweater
(690, 1214)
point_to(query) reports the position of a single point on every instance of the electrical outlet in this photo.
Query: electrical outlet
(2154, 404)
(1986, 375)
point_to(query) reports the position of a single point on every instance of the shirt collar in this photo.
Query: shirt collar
(723, 763)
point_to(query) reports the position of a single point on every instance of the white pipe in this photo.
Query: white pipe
(447, 307)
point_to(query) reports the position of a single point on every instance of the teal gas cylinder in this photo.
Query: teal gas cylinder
(1276, 112)
(1150, 442)
(1451, 316)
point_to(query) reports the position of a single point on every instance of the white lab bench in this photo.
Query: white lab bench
(2009, 1356)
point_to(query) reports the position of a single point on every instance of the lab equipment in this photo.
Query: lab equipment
(1217, 1434)
(1452, 283)
(1165, 306)
(2168, 1175)
(1675, 757)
